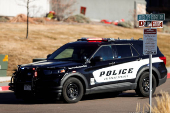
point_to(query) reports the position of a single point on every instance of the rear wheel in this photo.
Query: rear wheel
(143, 85)
(72, 90)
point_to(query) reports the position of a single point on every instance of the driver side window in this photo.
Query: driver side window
(105, 52)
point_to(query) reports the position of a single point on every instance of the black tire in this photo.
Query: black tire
(143, 85)
(72, 90)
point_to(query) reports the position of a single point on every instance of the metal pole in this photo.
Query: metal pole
(150, 82)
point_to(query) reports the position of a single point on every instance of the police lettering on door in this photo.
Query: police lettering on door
(115, 73)
(121, 71)
(110, 75)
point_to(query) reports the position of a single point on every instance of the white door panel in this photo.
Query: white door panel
(122, 71)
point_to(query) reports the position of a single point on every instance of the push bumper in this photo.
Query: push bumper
(11, 84)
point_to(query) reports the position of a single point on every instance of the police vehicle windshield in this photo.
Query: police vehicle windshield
(73, 52)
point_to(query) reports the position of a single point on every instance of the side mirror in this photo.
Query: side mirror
(97, 59)
(48, 56)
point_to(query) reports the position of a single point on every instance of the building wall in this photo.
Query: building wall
(108, 9)
(38, 8)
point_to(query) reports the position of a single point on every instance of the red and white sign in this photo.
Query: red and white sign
(4, 88)
(150, 41)
(155, 24)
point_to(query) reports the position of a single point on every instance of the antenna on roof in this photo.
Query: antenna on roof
(132, 38)
(118, 38)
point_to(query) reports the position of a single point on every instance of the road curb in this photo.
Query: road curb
(168, 75)
(4, 88)
(5, 79)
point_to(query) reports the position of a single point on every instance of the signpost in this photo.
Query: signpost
(150, 48)
(150, 40)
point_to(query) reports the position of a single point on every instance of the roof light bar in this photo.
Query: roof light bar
(94, 41)
(94, 38)
(98, 39)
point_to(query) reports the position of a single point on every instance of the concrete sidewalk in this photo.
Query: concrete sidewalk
(4, 81)
(168, 68)
(4, 86)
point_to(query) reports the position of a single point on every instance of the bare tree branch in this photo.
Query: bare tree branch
(23, 2)
(63, 8)
(26, 3)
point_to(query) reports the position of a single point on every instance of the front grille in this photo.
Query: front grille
(25, 75)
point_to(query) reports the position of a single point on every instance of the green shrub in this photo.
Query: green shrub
(166, 29)
(3, 19)
(39, 20)
(77, 18)
(127, 24)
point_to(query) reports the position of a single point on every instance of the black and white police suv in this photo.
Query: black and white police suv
(90, 65)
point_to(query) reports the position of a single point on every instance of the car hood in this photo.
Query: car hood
(51, 63)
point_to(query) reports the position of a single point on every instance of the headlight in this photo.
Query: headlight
(50, 72)
(22, 68)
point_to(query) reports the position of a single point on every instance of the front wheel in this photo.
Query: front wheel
(72, 90)
(143, 85)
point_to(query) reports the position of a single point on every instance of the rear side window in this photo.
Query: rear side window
(134, 52)
(105, 52)
(139, 47)
(123, 51)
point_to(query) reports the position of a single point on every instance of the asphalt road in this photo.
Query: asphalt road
(98, 103)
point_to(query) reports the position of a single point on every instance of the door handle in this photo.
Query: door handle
(111, 63)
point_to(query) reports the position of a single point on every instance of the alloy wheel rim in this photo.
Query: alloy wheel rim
(145, 84)
(72, 91)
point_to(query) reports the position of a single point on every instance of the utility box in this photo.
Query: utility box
(3, 65)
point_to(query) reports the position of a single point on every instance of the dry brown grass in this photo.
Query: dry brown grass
(162, 104)
(44, 39)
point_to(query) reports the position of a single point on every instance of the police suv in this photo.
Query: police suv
(90, 65)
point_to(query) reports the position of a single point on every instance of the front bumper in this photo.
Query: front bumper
(36, 91)
(48, 91)
(39, 89)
